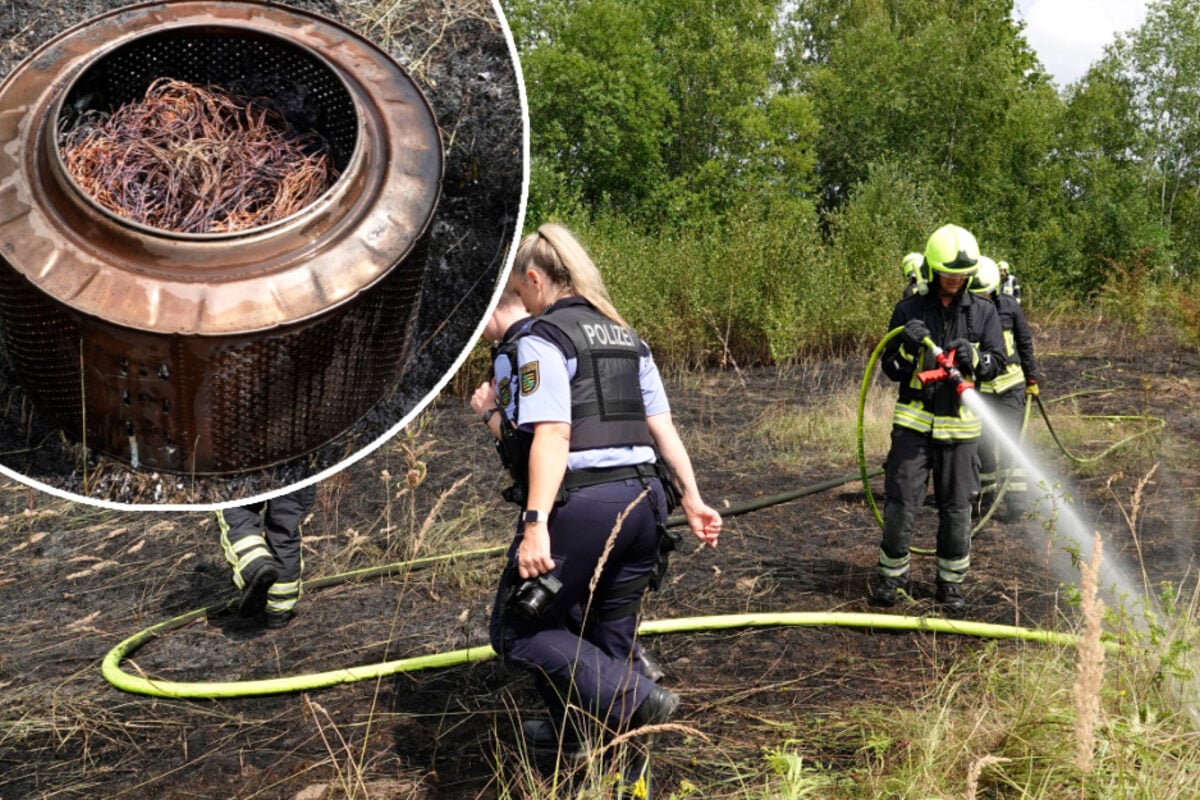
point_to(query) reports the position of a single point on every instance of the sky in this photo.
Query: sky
(1068, 35)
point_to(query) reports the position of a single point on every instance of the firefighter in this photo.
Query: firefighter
(262, 544)
(1005, 393)
(933, 431)
(593, 528)
(1008, 282)
(911, 266)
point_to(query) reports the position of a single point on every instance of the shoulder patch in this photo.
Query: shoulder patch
(504, 392)
(529, 378)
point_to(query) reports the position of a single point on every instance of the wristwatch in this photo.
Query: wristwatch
(531, 515)
(487, 415)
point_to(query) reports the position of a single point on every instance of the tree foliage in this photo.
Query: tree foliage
(843, 131)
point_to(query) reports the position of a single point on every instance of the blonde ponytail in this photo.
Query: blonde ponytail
(558, 254)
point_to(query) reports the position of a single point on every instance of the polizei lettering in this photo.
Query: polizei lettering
(606, 334)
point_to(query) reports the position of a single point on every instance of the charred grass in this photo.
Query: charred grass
(787, 712)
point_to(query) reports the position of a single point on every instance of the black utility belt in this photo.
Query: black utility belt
(578, 478)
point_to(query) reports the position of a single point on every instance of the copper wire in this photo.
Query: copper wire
(196, 159)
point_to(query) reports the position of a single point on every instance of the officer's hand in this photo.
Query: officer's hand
(533, 555)
(484, 398)
(704, 521)
(1031, 387)
(913, 335)
(964, 355)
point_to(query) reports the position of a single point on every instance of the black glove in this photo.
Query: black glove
(964, 355)
(913, 335)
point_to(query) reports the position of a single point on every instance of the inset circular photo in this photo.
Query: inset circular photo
(242, 243)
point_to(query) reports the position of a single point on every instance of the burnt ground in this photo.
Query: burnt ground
(457, 52)
(75, 580)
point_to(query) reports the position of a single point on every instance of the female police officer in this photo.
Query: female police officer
(595, 503)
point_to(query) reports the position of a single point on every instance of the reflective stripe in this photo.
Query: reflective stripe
(242, 545)
(952, 570)
(1009, 379)
(957, 429)
(912, 416)
(1012, 376)
(283, 597)
(892, 567)
(241, 553)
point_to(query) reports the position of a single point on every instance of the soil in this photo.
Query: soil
(76, 580)
(458, 53)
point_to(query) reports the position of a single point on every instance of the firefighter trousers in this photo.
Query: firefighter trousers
(913, 456)
(270, 530)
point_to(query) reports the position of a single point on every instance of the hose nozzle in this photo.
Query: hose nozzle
(946, 370)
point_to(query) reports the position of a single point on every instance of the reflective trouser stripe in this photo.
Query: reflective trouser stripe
(1016, 480)
(952, 570)
(283, 596)
(988, 481)
(242, 552)
(892, 567)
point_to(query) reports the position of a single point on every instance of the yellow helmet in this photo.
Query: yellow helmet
(911, 265)
(951, 250)
(986, 277)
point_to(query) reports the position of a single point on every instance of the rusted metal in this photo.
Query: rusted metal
(218, 352)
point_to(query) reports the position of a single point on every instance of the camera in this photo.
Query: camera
(531, 596)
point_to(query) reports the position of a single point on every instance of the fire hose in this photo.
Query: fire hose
(141, 684)
(154, 687)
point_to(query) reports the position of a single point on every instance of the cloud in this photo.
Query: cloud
(1068, 35)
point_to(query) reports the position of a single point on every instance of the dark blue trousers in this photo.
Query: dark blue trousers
(590, 668)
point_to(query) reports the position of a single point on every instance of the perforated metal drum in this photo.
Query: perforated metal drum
(214, 353)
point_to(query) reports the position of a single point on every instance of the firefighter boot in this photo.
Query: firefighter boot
(949, 597)
(260, 575)
(889, 588)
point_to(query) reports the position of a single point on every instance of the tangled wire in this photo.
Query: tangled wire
(195, 159)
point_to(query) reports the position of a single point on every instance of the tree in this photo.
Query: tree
(1161, 63)
(598, 103)
(925, 83)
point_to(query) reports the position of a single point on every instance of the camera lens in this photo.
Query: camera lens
(534, 595)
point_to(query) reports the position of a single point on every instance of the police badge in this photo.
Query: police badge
(504, 392)
(529, 378)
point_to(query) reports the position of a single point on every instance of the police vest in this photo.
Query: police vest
(606, 392)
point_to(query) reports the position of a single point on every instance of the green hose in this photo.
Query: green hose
(1087, 461)
(111, 667)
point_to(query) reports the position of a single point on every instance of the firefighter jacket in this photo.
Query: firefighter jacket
(935, 408)
(1018, 348)
(606, 393)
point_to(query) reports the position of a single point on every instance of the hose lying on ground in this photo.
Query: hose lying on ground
(140, 684)
(111, 666)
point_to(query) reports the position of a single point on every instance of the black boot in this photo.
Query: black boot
(262, 576)
(888, 589)
(949, 597)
